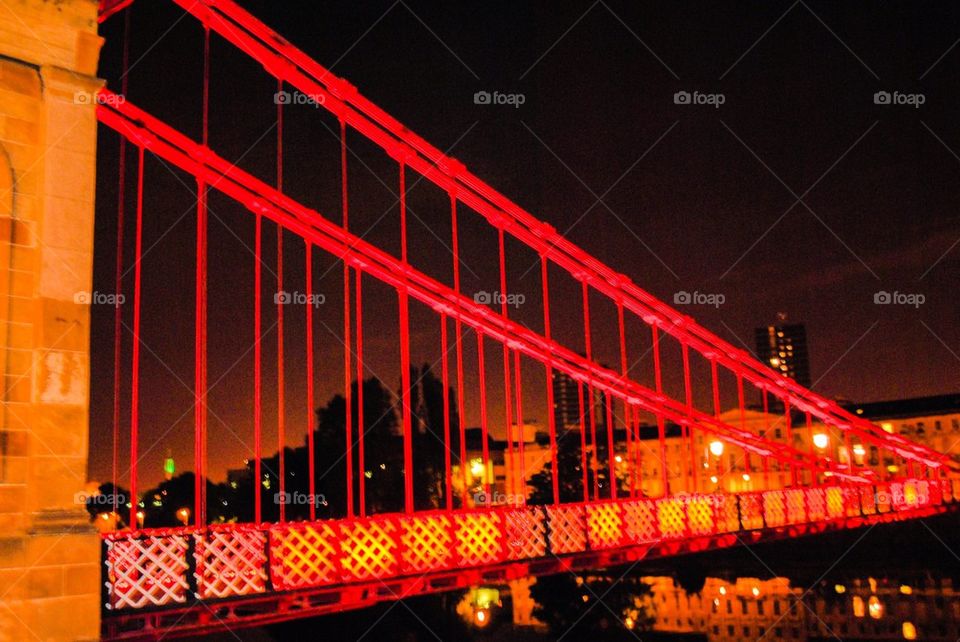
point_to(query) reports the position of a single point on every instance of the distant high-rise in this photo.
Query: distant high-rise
(566, 404)
(783, 347)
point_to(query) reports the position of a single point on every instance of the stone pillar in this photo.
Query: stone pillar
(49, 553)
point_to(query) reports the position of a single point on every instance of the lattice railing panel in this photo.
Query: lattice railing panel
(146, 571)
(916, 493)
(604, 526)
(816, 504)
(935, 491)
(774, 508)
(303, 554)
(525, 533)
(700, 517)
(796, 513)
(479, 538)
(751, 511)
(897, 497)
(640, 521)
(368, 548)
(835, 503)
(884, 500)
(567, 528)
(230, 562)
(728, 517)
(670, 518)
(426, 542)
(851, 501)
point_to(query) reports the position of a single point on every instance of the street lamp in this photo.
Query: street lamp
(716, 448)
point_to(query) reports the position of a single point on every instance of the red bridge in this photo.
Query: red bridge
(204, 576)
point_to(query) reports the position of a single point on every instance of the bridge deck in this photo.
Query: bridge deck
(169, 582)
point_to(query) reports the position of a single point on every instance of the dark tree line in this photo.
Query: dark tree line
(382, 472)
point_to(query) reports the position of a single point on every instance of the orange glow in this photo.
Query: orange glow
(858, 610)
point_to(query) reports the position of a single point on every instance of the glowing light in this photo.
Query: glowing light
(840, 588)
(723, 590)
(875, 607)
(746, 476)
(909, 631)
(481, 617)
(858, 610)
(629, 623)
(893, 468)
(774, 362)
(716, 448)
(716, 601)
(859, 451)
(183, 515)
(713, 479)
(887, 426)
(618, 459)
(821, 440)
(756, 591)
(476, 467)
(906, 590)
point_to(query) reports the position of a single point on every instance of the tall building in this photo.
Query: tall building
(566, 404)
(783, 347)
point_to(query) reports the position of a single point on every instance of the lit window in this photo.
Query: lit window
(909, 631)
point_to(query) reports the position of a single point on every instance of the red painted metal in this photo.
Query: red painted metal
(250, 565)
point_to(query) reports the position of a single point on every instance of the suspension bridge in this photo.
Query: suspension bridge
(202, 577)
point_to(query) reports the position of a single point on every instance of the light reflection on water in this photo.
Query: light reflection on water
(923, 607)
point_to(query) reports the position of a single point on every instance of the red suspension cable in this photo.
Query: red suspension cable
(135, 358)
(118, 282)
(311, 463)
(520, 423)
(551, 417)
(459, 339)
(405, 359)
(361, 458)
(200, 332)
(484, 428)
(347, 387)
(445, 376)
(281, 420)
(257, 371)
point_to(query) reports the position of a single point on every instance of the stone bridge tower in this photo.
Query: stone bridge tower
(49, 553)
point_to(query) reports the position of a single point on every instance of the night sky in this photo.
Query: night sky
(798, 194)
